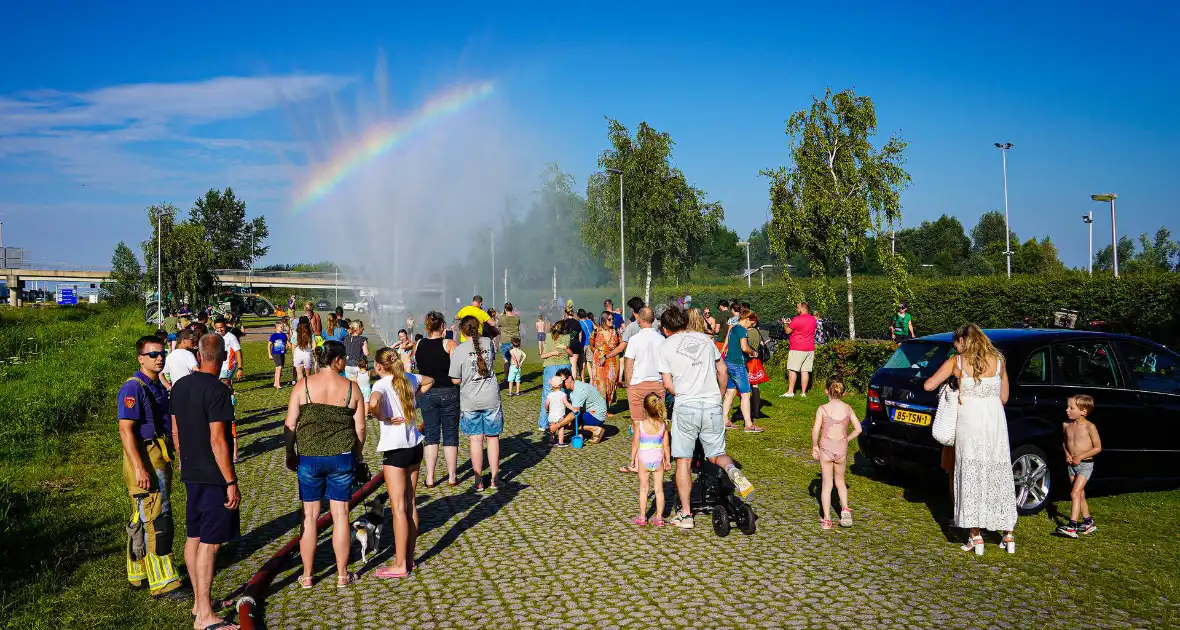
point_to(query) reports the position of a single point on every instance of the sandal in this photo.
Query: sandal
(975, 543)
(346, 581)
(452, 483)
(825, 523)
(305, 582)
(388, 572)
(639, 520)
(753, 428)
(730, 425)
(430, 484)
(657, 522)
(846, 517)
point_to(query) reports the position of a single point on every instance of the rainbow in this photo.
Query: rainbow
(379, 139)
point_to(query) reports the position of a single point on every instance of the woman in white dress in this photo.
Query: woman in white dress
(985, 496)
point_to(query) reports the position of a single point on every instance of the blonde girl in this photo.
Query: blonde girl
(357, 347)
(393, 403)
(652, 453)
(696, 321)
(829, 445)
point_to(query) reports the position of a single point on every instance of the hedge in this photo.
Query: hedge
(1144, 305)
(854, 361)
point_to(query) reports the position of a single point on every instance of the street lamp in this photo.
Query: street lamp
(749, 272)
(1089, 220)
(1114, 243)
(1007, 232)
(622, 244)
(762, 273)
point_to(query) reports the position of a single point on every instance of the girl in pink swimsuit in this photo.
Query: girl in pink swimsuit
(829, 445)
(652, 455)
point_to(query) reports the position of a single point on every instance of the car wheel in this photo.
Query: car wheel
(263, 311)
(1030, 472)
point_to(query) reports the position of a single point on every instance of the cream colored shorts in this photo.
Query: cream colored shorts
(800, 361)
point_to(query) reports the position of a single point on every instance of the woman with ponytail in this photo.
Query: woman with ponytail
(480, 415)
(393, 402)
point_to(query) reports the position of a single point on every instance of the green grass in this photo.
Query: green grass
(62, 501)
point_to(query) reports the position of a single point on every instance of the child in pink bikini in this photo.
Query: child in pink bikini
(829, 445)
(652, 454)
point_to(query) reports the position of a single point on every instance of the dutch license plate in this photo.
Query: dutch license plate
(912, 417)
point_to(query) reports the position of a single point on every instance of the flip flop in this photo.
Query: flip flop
(753, 429)
(730, 425)
(430, 485)
(386, 572)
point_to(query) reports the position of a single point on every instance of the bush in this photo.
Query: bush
(1144, 305)
(854, 361)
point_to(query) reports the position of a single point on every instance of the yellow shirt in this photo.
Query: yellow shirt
(475, 312)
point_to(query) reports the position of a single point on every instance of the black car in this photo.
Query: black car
(1135, 384)
(323, 305)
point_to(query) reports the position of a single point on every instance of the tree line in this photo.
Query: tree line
(215, 235)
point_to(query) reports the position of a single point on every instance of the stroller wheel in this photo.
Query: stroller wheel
(747, 520)
(720, 521)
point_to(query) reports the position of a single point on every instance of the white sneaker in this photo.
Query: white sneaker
(787, 395)
(803, 395)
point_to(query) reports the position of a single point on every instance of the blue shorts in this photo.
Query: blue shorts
(332, 474)
(513, 374)
(739, 378)
(588, 419)
(487, 422)
(206, 516)
(504, 348)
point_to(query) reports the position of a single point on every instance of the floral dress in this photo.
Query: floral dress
(606, 375)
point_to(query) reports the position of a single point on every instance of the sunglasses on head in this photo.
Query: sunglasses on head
(154, 354)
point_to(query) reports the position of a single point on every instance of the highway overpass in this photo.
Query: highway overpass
(16, 279)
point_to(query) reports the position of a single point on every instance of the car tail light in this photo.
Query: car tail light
(875, 399)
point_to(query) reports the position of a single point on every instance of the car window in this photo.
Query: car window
(1087, 363)
(918, 359)
(1036, 369)
(1152, 369)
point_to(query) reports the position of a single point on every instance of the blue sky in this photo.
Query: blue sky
(103, 112)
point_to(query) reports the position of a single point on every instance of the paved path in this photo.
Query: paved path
(554, 548)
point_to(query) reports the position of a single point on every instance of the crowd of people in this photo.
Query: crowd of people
(682, 373)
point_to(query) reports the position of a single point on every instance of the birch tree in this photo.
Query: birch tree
(663, 215)
(838, 189)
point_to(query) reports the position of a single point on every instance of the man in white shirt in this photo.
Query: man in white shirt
(181, 361)
(233, 366)
(693, 371)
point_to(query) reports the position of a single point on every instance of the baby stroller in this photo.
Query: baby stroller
(713, 493)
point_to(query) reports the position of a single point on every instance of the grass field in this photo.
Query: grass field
(62, 497)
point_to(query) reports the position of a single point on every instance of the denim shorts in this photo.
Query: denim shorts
(332, 474)
(697, 419)
(440, 416)
(488, 422)
(739, 378)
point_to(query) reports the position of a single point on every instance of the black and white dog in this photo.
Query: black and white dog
(367, 528)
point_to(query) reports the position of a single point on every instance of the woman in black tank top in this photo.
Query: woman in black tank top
(440, 403)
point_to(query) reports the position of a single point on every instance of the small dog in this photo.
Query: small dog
(367, 528)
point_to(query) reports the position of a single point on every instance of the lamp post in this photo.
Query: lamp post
(749, 272)
(622, 243)
(1007, 231)
(762, 273)
(1114, 239)
(1089, 221)
(493, 233)
(159, 273)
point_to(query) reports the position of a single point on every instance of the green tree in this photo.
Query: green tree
(838, 189)
(1104, 259)
(126, 284)
(720, 252)
(186, 258)
(1158, 254)
(942, 243)
(987, 239)
(663, 216)
(1037, 258)
(235, 241)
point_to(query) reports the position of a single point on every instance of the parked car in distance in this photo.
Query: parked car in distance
(1135, 384)
(360, 306)
(323, 305)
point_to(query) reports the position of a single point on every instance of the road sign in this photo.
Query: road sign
(67, 296)
(12, 257)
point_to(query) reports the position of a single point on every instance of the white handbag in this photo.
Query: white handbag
(946, 418)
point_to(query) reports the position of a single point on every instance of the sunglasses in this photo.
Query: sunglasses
(154, 354)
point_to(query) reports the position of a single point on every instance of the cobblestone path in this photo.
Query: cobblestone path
(554, 548)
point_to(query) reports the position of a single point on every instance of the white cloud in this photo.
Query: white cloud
(141, 138)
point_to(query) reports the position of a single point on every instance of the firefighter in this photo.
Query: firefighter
(145, 428)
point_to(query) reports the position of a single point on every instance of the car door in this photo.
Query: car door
(1154, 371)
(1090, 366)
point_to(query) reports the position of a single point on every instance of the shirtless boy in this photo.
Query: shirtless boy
(1081, 445)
